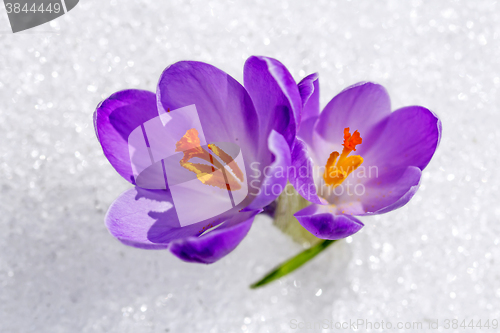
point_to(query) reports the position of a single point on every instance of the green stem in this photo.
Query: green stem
(293, 263)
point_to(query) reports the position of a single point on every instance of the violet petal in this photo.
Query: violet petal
(301, 174)
(358, 107)
(226, 111)
(309, 92)
(275, 95)
(324, 222)
(274, 177)
(211, 247)
(115, 118)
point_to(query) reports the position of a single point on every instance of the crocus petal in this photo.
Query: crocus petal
(129, 218)
(325, 222)
(115, 118)
(412, 177)
(275, 175)
(389, 191)
(358, 107)
(275, 95)
(301, 174)
(224, 107)
(213, 246)
(408, 137)
(397, 151)
(147, 219)
(309, 92)
(306, 131)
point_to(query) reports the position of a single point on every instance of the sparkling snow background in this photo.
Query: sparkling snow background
(436, 258)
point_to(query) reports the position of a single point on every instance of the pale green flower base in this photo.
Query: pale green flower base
(290, 202)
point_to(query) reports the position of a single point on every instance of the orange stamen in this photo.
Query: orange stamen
(339, 166)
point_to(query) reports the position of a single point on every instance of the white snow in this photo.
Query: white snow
(435, 259)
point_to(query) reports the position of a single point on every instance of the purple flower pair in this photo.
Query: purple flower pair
(283, 137)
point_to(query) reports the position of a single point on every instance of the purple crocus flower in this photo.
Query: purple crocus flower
(357, 157)
(260, 118)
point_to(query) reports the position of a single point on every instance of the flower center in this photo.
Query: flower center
(338, 170)
(213, 174)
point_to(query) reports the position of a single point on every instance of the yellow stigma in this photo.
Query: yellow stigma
(338, 170)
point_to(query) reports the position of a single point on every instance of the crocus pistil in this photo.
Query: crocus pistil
(337, 171)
